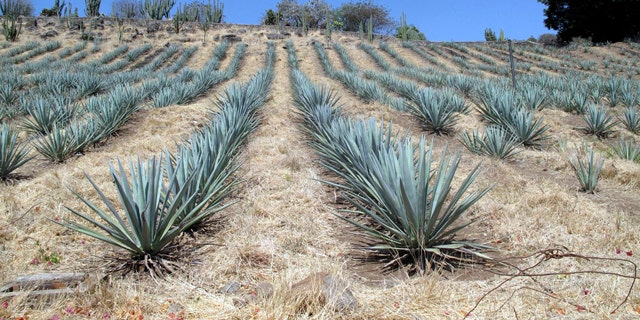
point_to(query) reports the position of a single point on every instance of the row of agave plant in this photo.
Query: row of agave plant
(45, 82)
(63, 129)
(407, 212)
(509, 113)
(166, 195)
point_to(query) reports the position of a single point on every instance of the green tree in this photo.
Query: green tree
(489, 35)
(599, 20)
(502, 37)
(312, 14)
(271, 18)
(352, 14)
(55, 11)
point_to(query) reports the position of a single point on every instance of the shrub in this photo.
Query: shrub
(489, 35)
(548, 39)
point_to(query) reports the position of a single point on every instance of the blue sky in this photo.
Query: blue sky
(440, 20)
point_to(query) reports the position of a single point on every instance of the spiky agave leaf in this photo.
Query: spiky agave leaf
(13, 154)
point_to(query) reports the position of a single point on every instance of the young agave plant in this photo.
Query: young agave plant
(627, 150)
(587, 170)
(150, 206)
(57, 145)
(526, 130)
(496, 142)
(13, 154)
(599, 122)
(433, 112)
(630, 118)
(45, 116)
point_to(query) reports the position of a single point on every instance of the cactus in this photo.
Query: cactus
(92, 8)
(157, 9)
(370, 29)
(404, 28)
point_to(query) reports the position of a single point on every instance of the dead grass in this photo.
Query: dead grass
(283, 227)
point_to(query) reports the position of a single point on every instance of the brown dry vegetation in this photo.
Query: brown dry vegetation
(283, 226)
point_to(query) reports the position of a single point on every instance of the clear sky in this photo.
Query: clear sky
(440, 20)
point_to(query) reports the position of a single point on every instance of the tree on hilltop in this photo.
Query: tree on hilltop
(598, 20)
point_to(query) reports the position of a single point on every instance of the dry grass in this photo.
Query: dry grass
(284, 228)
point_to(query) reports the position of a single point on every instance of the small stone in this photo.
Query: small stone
(240, 302)
(49, 34)
(230, 288)
(275, 36)
(153, 27)
(333, 290)
(264, 290)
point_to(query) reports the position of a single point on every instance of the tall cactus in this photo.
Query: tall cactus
(11, 24)
(216, 9)
(157, 9)
(93, 8)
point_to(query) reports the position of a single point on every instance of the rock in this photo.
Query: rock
(332, 291)
(49, 34)
(230, 288)
(275, 36)
(76, 25)
(153, 27)
(264, 290)
(231, 38)
(261, 291)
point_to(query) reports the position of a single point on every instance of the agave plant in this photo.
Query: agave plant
(526, 130)
(433, 112)
(599, 122)
(145, 225)
(587, 170)
(627, 150)
(57, 145)
(416, 210)
(45, 115)
(496, 142)
(13, 154)
(630, 118)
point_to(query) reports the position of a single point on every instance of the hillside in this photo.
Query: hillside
(284, 225)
